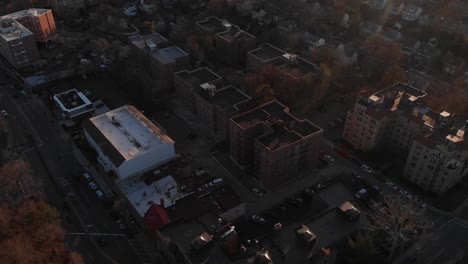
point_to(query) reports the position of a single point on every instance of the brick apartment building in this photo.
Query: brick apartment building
(395, 117)
(388, 117)
(161, 58)
(202, 91)
(289, 66)
(40, 22)
(272, 144)
(230, 43)
(438, 159)
(17, 44)
(64, 8)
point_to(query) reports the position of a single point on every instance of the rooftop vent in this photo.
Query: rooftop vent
(210, 89)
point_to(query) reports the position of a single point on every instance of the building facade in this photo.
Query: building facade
(272, 144)
(229, 43)
(40, 22)
(396, 118)
(17, 44)
(127, 142)
(202, 92)
(161, 58)
(388, 117)
(437, 163)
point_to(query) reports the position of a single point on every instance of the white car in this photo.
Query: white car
(421, 204)
(93, 185)
(361, 193)
(329, 158)
(392, 185)
(99, 194)
(258, 219)
(405, 193)
(203, 187)
(366, 168)
(4, 113)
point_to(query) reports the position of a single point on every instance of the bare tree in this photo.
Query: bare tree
(17, 182)
(398, 225)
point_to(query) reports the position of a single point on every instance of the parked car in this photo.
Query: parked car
(392, 185)
(4, 113)
(277, 226)
(216, 182)
(361, 193)
(25, 94)
(93, 185)
(421, 203)
(203, 187)
(405, 193)
(121, 224)
(87, 177)
(258, 219)
(355, 174)
(99, 194)
(295, 201)
(366, 168)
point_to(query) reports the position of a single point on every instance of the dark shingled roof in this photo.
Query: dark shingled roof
(105, 145)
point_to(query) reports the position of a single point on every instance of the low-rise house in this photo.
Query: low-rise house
(369, 28)
(378, 4)
(452, 64)
(391, 34)
(426, 54)
(66, 8)
(286, 25)
(426, 20)
(346, 54)
(397, 8)
(411, 12)
(312, 41)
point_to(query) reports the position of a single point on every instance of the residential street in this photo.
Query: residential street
(54, 164)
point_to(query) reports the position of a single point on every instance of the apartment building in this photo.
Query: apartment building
(64, 8)
(272, 144)
(202, 91)
(160, 58)
(439, 159)
(396, 118)
(40, 22)
(17, 44)
(388, 117)
(229, 43)
(289, 66)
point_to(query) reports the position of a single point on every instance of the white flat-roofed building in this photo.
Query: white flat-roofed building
(127, 142)
(73, 104)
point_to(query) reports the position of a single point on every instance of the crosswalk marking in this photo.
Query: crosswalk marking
(460, 221)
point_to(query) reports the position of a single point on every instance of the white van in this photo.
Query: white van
(215, 182)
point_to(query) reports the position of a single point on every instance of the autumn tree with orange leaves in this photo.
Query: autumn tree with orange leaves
(30, 230)
(381, 53)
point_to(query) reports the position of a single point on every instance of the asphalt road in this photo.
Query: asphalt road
(38, 139)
